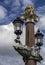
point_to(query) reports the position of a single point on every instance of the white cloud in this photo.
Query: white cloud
(41, 13)
(8, 60)
(7, 54)
(7, 35)
(41, 10)
(3, 12)
(42, 21)
(44, 62)
(35, 29)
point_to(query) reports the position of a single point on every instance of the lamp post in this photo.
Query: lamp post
(30, 17)
(30, 51)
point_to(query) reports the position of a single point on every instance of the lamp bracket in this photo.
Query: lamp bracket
(29, 53)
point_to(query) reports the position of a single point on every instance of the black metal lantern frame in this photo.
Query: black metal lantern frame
(18, 26)
(39, 38)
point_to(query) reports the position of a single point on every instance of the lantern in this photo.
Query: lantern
(39, 38)
(18, 26)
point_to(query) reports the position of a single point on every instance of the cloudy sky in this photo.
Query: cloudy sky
(9, 9)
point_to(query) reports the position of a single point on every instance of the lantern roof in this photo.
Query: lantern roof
(18, 20)
(39, 33)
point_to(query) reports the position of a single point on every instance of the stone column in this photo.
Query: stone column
(30, 39)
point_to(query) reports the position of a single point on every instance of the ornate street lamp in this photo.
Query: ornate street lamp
(18, 28)
(30, 51)
(39, 38)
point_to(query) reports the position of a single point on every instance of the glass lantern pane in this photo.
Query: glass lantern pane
(39, 40)
(19, 26)
(14, 28)
(35, 41)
